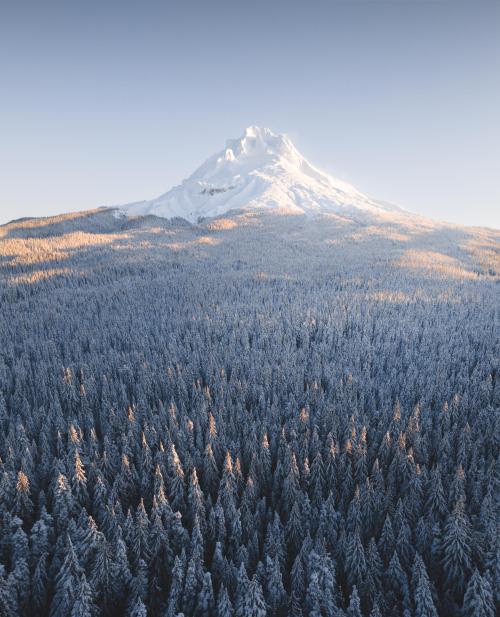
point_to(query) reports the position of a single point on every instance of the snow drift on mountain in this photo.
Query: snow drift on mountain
(258, 170)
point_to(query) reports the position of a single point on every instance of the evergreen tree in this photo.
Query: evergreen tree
(422, 596)
(397, 586)
(138, 609)
(8, 600)
(224, 606)
(39, 584)
(252, 604)
(354, 609)
(66, 583)
(457, 550)
(275, 592)
(478, 599)
(83, 605)
(191, 586)
(206, 601)
(355, 562)
(177, 586)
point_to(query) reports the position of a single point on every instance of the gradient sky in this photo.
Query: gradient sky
(108, 102)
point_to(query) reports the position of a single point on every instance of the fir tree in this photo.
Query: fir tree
(422, 596)
(206, 601)
(224, 606)
(457, 550)
(354, 609)
(83, 605)
(478, 599)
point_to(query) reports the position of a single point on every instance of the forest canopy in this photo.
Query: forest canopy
(249, 418)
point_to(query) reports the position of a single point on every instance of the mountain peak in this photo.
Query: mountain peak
(257, 141)
(255, 135)
(258, 132)
(259, 170)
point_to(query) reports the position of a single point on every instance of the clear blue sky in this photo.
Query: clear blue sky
(108, 102)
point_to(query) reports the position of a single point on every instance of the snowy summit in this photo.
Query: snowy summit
(258, 170)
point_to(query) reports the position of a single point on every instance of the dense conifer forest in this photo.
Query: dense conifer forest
(248, 418)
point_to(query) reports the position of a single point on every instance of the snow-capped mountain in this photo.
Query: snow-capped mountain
(258, 170)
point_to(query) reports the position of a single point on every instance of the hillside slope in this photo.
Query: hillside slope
(273, 413)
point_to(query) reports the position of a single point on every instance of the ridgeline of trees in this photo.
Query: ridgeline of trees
(187, 436)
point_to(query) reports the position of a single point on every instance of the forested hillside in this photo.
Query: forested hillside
(256, 416)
